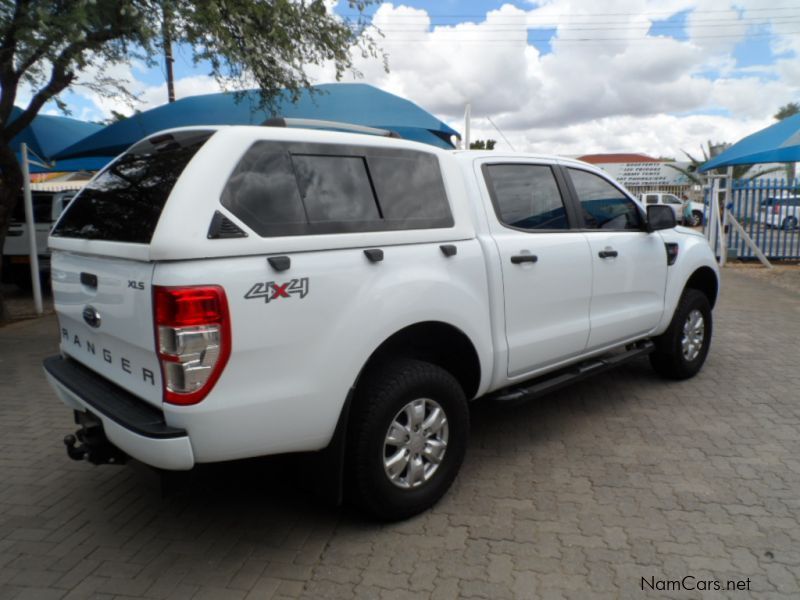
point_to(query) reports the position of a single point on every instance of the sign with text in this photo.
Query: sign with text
(640, 174)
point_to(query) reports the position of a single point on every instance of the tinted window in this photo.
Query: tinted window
(410, 188)
(262, 191)
(604, 206)
(294, 188)
(335, 188)
(527, 196)
(42, 209)
(652, 199)
(124, 203)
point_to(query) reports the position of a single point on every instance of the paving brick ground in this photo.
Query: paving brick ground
(580, 495)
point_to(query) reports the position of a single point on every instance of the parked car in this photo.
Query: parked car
(694, 213)
(780, 211)
(671, 200)
(232, 292)
(47, 207)
(686, 212)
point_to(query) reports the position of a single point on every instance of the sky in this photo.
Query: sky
(565, 77)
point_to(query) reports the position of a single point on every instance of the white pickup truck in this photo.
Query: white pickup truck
(232, 292)
(686, 211)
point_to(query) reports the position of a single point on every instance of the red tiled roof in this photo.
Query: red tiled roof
(616, 158)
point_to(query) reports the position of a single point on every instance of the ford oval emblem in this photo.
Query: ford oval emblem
(91, 316)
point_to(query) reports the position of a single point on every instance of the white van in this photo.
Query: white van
(48, 204)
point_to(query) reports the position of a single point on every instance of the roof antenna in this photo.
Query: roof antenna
(505, 139)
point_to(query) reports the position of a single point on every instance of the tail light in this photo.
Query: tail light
(776, 209)
(193, 338)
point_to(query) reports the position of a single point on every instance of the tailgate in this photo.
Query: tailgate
(105, 316)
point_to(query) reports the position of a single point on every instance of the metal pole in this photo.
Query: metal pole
(728, 198)
(33, 249)
(166, 29)
(467, 117)
(731, 220)
(712, 217)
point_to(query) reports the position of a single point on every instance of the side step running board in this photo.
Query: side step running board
(554, 381)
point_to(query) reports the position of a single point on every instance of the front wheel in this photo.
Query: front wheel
(696, 219)
(407, 439)
(682, 349)
(790, 223)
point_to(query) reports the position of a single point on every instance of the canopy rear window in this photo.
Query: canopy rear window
(280, 189)
(124, 203)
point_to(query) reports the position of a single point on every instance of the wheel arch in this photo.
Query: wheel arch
(436, 342)
(705, 281)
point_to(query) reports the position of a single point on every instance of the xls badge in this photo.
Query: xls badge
(272, 290)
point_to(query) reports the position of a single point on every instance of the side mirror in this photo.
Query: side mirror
(660, 216)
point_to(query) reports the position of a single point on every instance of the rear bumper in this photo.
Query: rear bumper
(131, 424)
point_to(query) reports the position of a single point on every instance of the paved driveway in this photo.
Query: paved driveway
(583, 494)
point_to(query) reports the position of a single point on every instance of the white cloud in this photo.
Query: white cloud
(622, 93)
(656, 135)
(622, 90)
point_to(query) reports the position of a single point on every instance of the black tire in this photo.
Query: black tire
(697, 218)
(384, 391)
(789, 223)
(668, 359)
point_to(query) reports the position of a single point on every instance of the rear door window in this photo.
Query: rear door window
(526, 196)
(295, 189)
(124, 202)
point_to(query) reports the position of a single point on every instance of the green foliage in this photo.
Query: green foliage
(482, 145)
(48, 46)
(786, 111)
(710, 151)
(116, 117)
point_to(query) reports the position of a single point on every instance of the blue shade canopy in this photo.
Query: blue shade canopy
(355, 103)
(71, 165)
(47, 134)
(777, 143)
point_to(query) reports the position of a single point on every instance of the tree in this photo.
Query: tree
(482, 145)
(709, 152)
(45, 46)
(786, 111)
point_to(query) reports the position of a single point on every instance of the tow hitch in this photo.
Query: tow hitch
(90, 442)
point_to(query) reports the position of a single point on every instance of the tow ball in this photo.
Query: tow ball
(90, 442)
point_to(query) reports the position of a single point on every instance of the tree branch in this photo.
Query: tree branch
(60, 79)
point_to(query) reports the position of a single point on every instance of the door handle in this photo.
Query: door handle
(524, 258)
(608, 254)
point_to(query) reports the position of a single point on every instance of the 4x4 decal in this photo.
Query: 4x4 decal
(272, 290)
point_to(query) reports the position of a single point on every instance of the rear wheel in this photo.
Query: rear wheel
(407, 439)
(790, 223)
(682, 349)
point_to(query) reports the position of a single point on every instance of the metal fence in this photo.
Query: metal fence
(769, 211)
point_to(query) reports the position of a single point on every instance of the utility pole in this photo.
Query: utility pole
(166, 30)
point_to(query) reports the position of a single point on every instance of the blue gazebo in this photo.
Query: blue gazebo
(48, 134)
(780, 142)
(355, 103)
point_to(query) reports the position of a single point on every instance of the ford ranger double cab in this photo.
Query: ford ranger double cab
(234, 292)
